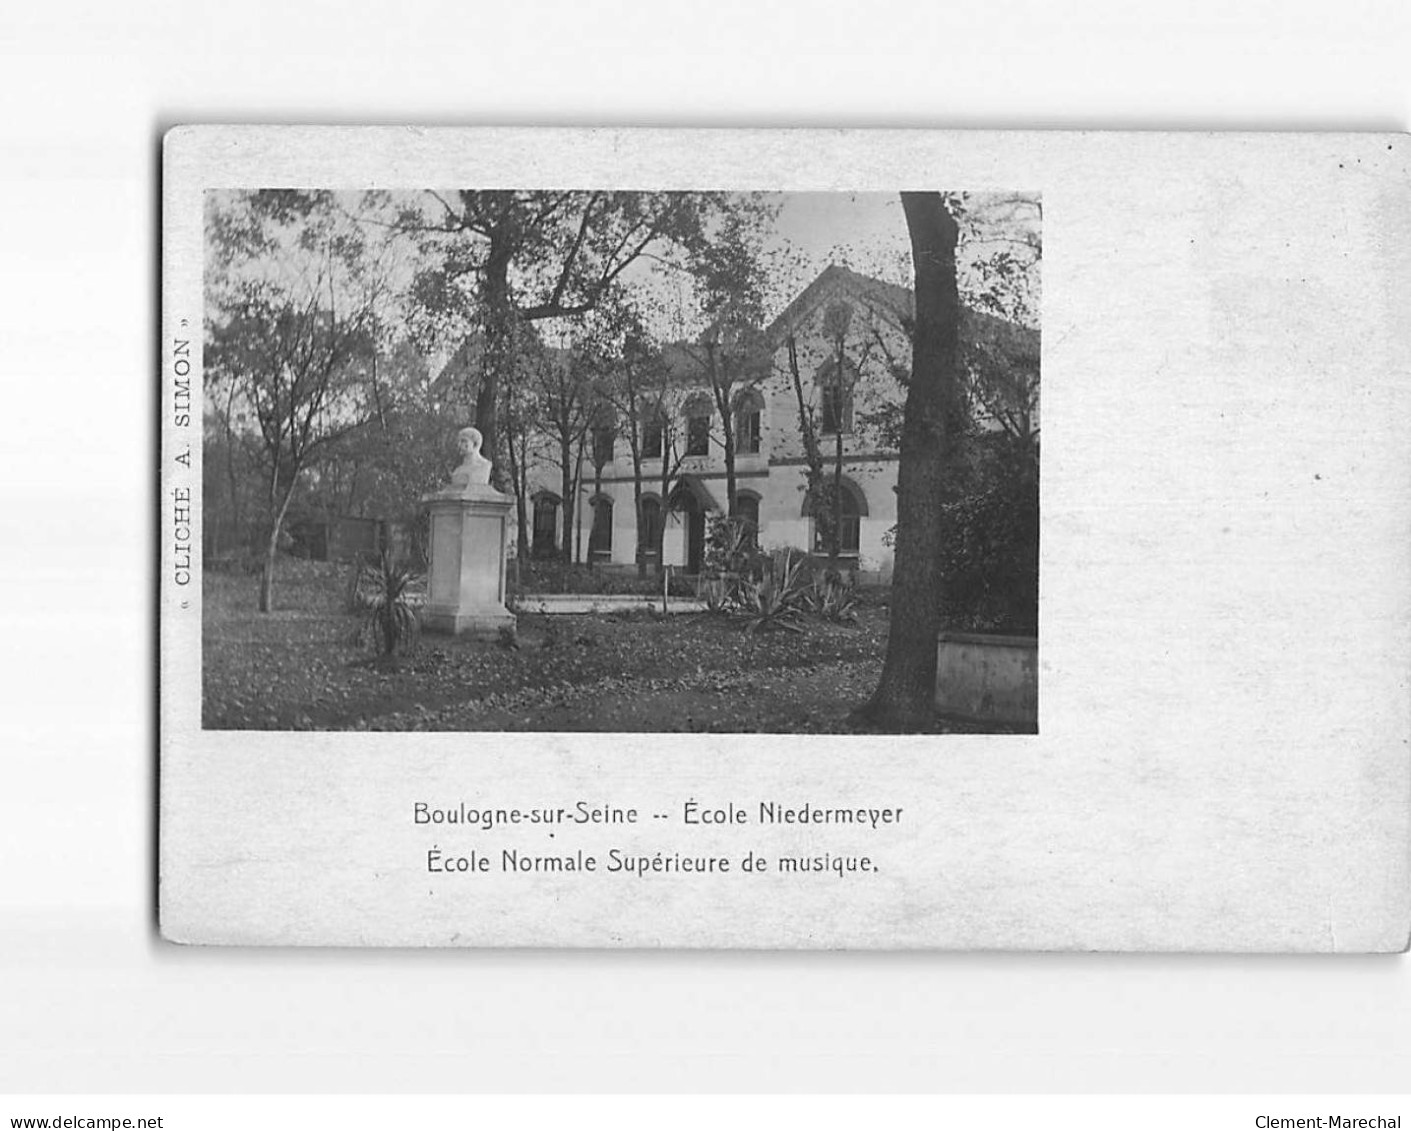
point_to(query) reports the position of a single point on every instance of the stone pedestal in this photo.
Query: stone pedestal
(466, 583)
(989, 679)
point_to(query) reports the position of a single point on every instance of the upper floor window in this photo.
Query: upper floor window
(835, 397)
(652, 432)
(602, 444)
(835, 410)
(749, 406)
(698, 427)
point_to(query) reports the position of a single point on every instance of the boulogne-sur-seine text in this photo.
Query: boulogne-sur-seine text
(693, 812)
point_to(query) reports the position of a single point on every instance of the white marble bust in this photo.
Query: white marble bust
(474, 470)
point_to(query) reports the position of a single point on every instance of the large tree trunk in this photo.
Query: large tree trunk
(931, 422)
(498, 362)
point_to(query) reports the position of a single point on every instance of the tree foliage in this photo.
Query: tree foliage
(292, 297)
(499, 259)
(989, 543)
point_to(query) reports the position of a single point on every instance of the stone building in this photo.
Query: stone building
(846, 337)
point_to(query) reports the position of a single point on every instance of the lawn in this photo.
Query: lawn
(300, 668)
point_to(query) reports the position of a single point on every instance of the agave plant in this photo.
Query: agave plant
(391, 619)
(714, 593)
(832, 598)
(776, 599)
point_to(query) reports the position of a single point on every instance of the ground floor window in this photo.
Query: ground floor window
(651, 527)
(850, 524)
(546, 523)
(747, 509)
(600, 536)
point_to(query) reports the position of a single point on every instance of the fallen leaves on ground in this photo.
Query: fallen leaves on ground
(300, 669)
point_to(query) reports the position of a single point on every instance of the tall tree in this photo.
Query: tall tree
(630, 367)
(836, 321)
(933, 418)
(663, 406)
(734, 362)
(380, 471)
(291, 305)
(505, 258)
(518, 416)
(562, 389)
(854, 333)
(815, 488)
(729, 279)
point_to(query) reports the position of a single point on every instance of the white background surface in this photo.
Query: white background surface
(92, 1001)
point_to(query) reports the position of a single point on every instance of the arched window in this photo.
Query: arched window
(835, 390)
(600, 536)
(749, 406)
(698, 415)
(853, 508)
(850, 528)
(546, 523)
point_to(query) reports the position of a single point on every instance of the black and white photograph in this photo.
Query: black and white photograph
(694, 461)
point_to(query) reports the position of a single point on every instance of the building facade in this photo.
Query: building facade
(838, 357)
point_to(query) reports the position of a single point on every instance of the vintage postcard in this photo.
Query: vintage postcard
(580, 538)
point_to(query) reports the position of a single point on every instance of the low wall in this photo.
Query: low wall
(551, 603)
(988, 678)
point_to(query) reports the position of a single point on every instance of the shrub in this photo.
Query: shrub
(776, 599)
(391, 620)
(832, 598)
(361, 587)
(716, 594)
(730, 548)
(732, 557)
(990, 544)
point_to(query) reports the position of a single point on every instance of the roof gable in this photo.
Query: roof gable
(986, 332)
(893, 302)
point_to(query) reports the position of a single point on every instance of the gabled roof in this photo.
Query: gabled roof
(990, 336)
(983, 331)
(888, 299)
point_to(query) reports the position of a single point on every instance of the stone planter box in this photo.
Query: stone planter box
(988, 679)
(551, 603)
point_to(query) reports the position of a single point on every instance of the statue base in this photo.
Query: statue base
(466, 582)
(477, 626)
